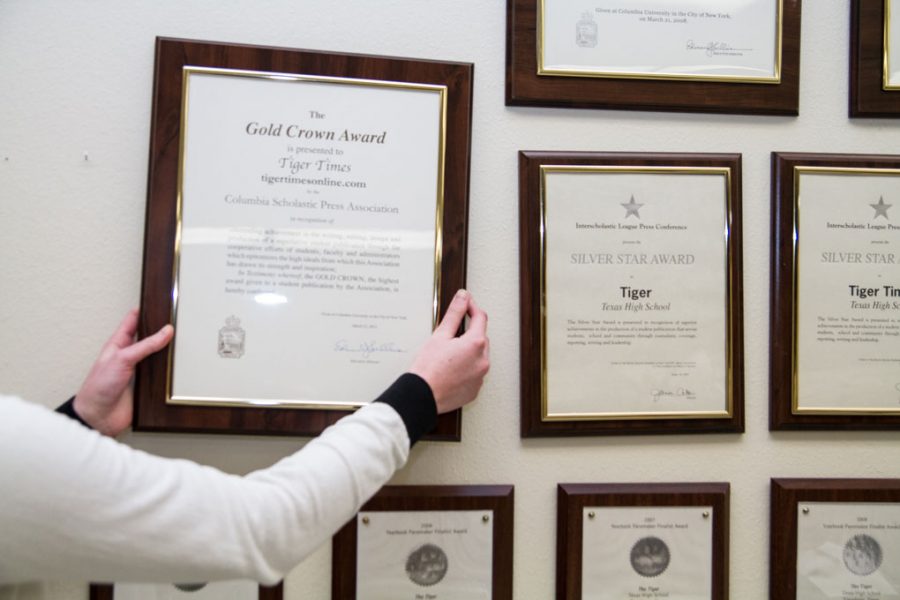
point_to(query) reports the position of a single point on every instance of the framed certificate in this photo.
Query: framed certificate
(306, 225)
(443, 542)
(642, 541)
(726, 57)
(630, 293)
(217, 590)
(875, 58)
(835, 538)
(835, 298)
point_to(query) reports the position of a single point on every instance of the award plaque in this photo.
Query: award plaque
(642, 541)
(835, 303)
(217, 590)
(835, 538)
(630, 293)
(441, 542)
(701, 56)
(305, 222)
(875, 58)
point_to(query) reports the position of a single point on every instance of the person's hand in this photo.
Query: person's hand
(454, 367)
(105, 401)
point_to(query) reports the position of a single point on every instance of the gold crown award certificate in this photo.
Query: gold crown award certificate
(306, 269)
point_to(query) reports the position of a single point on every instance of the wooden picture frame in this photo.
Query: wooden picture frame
(153, 412)
(868, 98)
(574, 499)
(537, 418)
(524, 87)
(785, 412)
(495, 500)
(100, 591)
(788, 494)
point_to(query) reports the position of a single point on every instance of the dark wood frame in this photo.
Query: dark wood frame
(152, 413)
(530, 340)
(572, 498)
(781, 295)
(524, 87)
(786, 495)
(868, 98)
(497, 498)
(103, 591)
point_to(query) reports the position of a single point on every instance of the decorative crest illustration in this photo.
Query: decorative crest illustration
(231, 338)
(586, 31)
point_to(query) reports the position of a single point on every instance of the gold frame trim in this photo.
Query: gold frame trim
(725, 172)
(187, 71)
(886, 74)
(795, 401)
(773, 80)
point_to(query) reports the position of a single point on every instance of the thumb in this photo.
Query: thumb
(456, 312)
(140, 350)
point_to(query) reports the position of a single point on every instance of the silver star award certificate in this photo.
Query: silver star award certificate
(636, 292)
(847, 295)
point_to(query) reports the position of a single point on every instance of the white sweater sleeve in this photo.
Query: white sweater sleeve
(75, 505)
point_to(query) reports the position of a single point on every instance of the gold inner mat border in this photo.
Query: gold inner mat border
(886, 84)
(724, 172)
(795, 400)
(774, 79)
(187, 72)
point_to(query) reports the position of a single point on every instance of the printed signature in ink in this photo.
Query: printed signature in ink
(716, 48)
(679, 393)
(366, 349)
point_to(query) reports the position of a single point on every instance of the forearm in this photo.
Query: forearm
(133, 516)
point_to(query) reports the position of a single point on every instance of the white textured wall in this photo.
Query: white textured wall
(75, 79)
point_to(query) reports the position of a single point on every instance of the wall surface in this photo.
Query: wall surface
(76, 82)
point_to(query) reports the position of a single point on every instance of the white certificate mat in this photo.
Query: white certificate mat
(848, 291)
(647, 552)
(217, 590)
(682, 39)
(636, 293)
(892, 48)
(848, 551)
(439, 555)
(307, 263)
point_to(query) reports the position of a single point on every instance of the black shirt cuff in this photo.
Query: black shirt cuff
(413, 400)
(68, 409)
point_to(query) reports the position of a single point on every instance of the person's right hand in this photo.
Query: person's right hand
(454, 367)
(104, 401)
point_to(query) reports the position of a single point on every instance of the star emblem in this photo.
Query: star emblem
(631, 208)
(880, 208)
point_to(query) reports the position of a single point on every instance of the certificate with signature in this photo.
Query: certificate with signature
(847, 290)
(636, 283)
(647, 552)
(728, 40)
(892, 45)
(848, 550)
(308, 241)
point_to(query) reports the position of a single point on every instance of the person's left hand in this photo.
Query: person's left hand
(105, 400)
